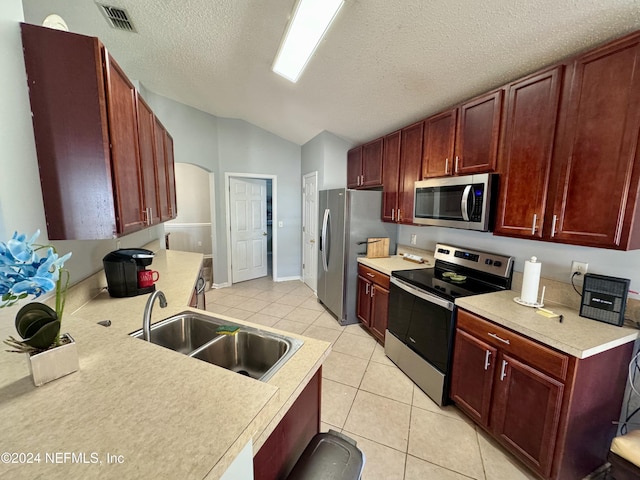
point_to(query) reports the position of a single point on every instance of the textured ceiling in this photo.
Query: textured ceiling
(382, 65)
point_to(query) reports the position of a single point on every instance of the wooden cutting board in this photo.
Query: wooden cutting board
(377, 247)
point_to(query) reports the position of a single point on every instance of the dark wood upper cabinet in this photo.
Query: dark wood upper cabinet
(163, 189)
(364, 165)
(596, 154)
(171, 177)
(525, 154)
(89, 143)
(390, 176)
(410, 170)
(372, 163)
(439, 144)
(477, 135)
(148, 162)
(354, 167)
(463, 140)
(125, 157)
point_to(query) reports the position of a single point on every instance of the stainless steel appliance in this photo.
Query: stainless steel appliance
(459, 202)
(347, 219)
(422, 311)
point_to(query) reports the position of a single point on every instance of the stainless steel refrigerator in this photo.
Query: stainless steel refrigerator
(347, 219)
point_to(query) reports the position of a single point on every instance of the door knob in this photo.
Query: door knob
(312, 241)
(264, 234)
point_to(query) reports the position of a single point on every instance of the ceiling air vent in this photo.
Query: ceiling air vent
(117, 17)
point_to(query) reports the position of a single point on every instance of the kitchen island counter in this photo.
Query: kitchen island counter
(137, 410)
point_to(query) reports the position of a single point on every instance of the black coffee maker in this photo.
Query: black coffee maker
(121, 268)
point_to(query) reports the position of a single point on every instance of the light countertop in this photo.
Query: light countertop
(577, 336)
(165, 414)
(387, 265)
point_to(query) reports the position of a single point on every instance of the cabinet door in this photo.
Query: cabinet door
(532, 110)
(410, 170)
(478, 134)
(354, 167)
(439, 144)
(598, 140)
(372, 164)
(171, 175)
(526, 411)
(364, 301)
(163, 191)
(472, 374)
(148, 162)
(121, 109)
(379, 311)
(390, 176)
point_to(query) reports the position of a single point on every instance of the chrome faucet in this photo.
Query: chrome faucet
(146, 319)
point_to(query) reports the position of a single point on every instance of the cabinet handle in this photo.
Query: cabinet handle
(393, 211)
(493, 335)
(503, 371)
(487, 355)
(361, 179)
(446, 166)
(398, 218)
(366, 289)
(533, 227)
(371, 275)
(553, 226)
(457, 163)
(373, 291)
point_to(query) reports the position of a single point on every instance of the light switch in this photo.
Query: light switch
(280, 224)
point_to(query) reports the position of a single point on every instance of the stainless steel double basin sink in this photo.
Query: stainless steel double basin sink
(248, 351)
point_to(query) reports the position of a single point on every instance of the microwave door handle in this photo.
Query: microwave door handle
(464, 203)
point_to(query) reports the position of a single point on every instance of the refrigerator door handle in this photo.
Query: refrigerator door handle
(323, 240)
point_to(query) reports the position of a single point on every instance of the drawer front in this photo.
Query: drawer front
(374, 276)
(535, 354)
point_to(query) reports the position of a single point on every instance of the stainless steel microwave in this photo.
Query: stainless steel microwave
(458, 202)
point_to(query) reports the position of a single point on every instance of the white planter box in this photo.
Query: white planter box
(54, 363)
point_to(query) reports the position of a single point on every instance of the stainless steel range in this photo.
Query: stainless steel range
(422, 311)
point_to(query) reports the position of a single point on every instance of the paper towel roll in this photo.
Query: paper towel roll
(531, 280)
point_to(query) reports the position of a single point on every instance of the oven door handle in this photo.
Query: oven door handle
(422, 294)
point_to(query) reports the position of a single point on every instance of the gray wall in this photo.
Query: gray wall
(21, 206)
(556, 258)
(227, 145)
(326, 153)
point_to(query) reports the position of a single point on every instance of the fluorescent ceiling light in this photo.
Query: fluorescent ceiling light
(310, 22)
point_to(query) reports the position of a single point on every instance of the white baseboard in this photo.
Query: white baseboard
(287, 279)
(221, 285)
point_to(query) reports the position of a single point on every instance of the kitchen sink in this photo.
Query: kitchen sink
(249, 351)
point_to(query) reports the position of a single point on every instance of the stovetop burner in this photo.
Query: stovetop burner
(461, 272)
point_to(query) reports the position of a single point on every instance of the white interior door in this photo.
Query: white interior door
(310, 230)
(248, 217)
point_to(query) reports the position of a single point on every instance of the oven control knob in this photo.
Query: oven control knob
(488, 261)
(497, 263)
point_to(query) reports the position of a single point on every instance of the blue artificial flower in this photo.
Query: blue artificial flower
(23, 272)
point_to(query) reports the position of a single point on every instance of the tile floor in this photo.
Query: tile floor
(404, 435)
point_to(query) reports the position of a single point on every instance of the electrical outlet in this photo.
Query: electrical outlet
(414, 238)
(579, 267)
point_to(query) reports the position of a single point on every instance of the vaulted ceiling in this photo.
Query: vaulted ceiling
(382, 65)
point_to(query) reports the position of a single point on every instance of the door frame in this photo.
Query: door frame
(315, 257)
(274, 219)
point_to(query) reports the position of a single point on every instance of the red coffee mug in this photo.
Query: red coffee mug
(146, 278)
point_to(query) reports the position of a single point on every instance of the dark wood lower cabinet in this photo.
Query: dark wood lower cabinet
(281, 451)
(555, 412)
(372, 304)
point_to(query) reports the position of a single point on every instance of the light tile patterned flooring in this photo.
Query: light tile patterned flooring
(403, 434)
